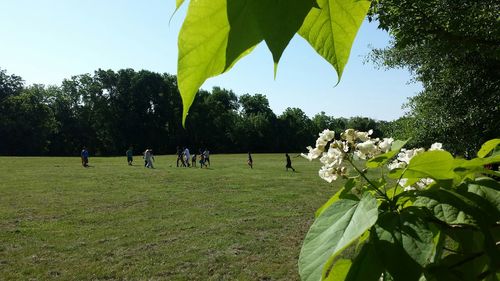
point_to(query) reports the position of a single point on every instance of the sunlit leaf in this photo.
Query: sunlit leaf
(331, 29)
(178, 3)
(252, 21)
(433, 164)
(338, 226)
(487, 147)
(202, 47)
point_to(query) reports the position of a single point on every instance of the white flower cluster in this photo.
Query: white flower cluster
(403, 160)
(332, 156)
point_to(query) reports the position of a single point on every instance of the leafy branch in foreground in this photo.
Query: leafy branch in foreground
(217, 33)
(429, 216)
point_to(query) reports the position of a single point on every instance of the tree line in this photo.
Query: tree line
(109, 111)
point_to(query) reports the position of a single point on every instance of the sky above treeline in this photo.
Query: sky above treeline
(47, 41)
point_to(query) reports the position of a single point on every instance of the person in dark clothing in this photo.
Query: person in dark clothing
(288, 162)
(180, 157)
(250, 160)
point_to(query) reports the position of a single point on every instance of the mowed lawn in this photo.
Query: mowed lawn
(112, 221)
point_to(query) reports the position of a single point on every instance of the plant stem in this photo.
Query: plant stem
(368, 180)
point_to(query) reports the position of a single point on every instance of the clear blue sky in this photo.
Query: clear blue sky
(47, 41)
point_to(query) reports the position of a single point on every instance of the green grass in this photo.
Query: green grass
(111, 221)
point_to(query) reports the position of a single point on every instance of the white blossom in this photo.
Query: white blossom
(328, 174)
(327, 135)
(436, 146)
(314, 153)
(363, 136)
(366, 149)
(385, 144)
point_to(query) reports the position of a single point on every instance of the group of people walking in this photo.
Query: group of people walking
(185, 159)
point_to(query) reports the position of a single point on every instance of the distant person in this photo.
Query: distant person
(180, 157)
(187, 155)
(144, 157)
(288, 162)
(206, 157)
(202, 160)
(250, 160)
(130, 155)
(85, 157)
(149, 158)
(193, 160)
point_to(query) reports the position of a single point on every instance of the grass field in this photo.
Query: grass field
(111, 221)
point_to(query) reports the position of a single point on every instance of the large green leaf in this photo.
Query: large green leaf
(336, 228)
(404, 242)
(274, 21)
(459, 206)
(487, 147)
(331, 29)
(437, 165)
(202, 47)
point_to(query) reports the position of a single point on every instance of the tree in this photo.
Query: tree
(9, 84)
(453, 48)
(26, 122)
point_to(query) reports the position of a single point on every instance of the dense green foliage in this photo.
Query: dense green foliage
(424, 216)
(453, 48)
(112, 221)
(108, 111)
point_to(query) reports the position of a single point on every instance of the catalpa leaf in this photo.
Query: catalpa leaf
(336, 228)
(202, 45)
(275, 22)
(331, 29)
(487, 147)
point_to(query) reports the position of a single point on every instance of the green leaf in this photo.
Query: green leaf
(366, 266)
(202, 47)
(437, 165)
(404, 243)
(487, 147)
(339, 270)
(339, 194)
(252, 21)
(178, 3)
(488, 189)
(336, 228)
(331, 29)
(382, 159)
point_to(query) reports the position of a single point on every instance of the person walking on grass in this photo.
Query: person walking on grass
(180, 157)
(193, 160)
(188, 156)
(288, 162)
(206, 157)
(250, 160)
(149, 158)
(130, 155)
(85, 157)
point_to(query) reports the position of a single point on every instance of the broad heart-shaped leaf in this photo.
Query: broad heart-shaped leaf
(384, 158)
(338, 226)
(202, 47)
(459, 206)
(331, 29)
(437, 165)
(404, 242)
(487, 147)
(274, 21)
